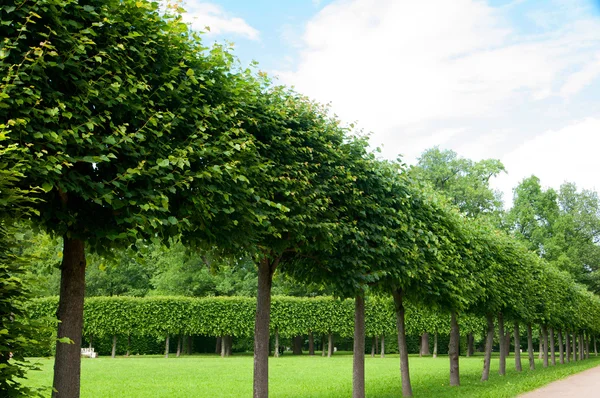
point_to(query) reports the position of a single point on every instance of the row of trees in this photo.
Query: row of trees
(133, 130)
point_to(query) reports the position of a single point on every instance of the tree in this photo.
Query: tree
(465, 182)
(111, 103)
(18, 332)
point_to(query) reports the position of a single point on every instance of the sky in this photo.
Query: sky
(515, 80)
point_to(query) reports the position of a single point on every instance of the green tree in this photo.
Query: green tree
(112, 104)
(465, 182)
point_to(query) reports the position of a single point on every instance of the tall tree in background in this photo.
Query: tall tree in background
(465, 182)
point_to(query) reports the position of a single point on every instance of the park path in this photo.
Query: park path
(585, 384)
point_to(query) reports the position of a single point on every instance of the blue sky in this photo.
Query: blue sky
(517, 80)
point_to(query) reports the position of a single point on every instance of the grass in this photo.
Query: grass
(297, 376)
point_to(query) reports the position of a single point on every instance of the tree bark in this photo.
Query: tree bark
(595, 348)
(470, 345)
(435, 345)
(223, 346)
(266, 268)
(382, 353)
(541, 351)
(323, 345)
(376, 344)
(518, 366)
(113, 352)
(575, 357)
(581, 347)
(502, 341)
(530, 347)
(178, 346)
(568, 346)
(311, 344)
(545, 337)
(330, 346)
(297, 350)
(358, 354)
(67, 364)
(424, 345)
(91, 341)
(167, 347)
(218, 345)
(507, 342)
(373, 343)
(400, 325)
(453, 350)
(587, 345)
(128, 344)
(230, 346)
(561, 350)
(276, 353)
(489, 342)
(552, 348)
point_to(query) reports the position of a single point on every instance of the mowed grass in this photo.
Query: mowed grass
(298, 376)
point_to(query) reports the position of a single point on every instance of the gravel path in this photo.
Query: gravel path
(582, 385)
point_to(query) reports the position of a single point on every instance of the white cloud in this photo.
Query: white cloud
(406, 69)
(201, 15)
(556, 156)
(580, 79)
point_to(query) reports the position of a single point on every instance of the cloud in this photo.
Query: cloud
(201, 15)
(408, 69)
(555, 156)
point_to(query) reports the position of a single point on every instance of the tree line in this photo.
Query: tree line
(130, 130)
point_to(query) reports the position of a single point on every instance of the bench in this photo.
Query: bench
(89, 352)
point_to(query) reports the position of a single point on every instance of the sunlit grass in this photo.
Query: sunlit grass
(297, 376)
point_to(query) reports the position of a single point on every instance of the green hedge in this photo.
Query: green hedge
(234, 316)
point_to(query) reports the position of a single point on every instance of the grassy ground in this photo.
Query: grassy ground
(293, 377)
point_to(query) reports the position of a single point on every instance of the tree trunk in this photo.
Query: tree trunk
(376, 344)
(545, 337)
(91, 341)
(191, 345)
(581, 347)
(574, 346)
(382, 353)
(400, 325)
(311, 344)
(330, 346)
(373, 343)
(167, 347)
(218, 345)
(358, 354)
(435, 345)
(266, 268)
(561, 350)
(297, 349)
(113, 353)
(587, 345)
(541, 351)
(230, 346)
(552, 348)
(530, 347)
(502, 341)
(470, 345)
(128, 344)
(453, 350)
(567, 346)
(276, 353)
(223, 346)
(178, 346)
(323, 345)
(507, 343)
(424, 345)
(489, 342)
(67, 363)
(595, 349)
(518, 366)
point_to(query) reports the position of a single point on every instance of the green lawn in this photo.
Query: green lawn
(296, 376)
